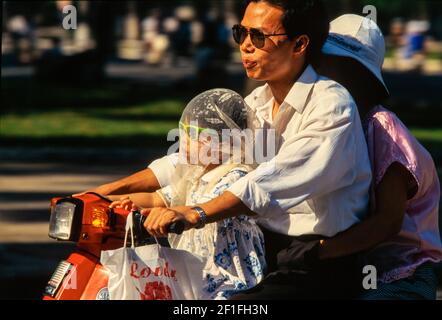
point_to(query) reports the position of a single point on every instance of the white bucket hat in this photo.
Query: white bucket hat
(359, 38)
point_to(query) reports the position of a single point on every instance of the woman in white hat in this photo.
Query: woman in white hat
(401, 236)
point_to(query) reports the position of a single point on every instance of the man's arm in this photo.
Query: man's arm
(225, 206)
(386, 221)
(222, 207)
(310, 163)
(317, 160)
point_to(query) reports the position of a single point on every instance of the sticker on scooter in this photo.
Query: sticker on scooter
(103, 294)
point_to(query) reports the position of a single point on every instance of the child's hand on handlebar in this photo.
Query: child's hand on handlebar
(124, 203)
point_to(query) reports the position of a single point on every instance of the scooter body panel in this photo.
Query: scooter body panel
(72, 279)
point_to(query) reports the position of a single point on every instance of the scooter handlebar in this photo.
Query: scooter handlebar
(176, 227)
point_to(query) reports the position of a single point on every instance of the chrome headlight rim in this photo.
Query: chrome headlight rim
(76, 220)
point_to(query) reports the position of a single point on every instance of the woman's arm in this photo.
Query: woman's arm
(386, 221)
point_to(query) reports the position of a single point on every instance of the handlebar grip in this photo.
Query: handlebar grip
(176, 227)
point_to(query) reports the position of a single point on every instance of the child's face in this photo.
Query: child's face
(197, 145)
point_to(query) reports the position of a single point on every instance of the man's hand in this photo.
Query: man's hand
(225, 206)
(158, 219)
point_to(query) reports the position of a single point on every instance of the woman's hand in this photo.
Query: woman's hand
(124, 202)
(158, 219)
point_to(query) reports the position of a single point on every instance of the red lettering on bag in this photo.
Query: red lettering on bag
(146, 272)
(166, 270)
(133, 269)
(158, 271)
(156, 291)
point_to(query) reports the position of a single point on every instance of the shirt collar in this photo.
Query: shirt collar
(298, 94)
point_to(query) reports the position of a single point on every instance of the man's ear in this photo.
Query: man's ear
(301, 44)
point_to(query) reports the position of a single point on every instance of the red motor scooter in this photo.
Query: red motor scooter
(88, 221)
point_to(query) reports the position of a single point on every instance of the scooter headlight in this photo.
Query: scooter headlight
(65, 222)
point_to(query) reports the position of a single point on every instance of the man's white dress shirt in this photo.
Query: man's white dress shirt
(318, 182)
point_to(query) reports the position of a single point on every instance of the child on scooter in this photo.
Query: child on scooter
(205, 168)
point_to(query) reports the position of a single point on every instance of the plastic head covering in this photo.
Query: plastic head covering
(222, 115)
(217, 109)
(208, 125)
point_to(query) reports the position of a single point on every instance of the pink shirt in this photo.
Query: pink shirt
(419, 240)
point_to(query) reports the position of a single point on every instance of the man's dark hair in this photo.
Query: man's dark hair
(307, 17)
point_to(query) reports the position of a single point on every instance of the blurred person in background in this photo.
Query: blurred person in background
(213, 52)
(182, 37)
(20, 31)
(170, 27)
(397, 31)
(156, 43)
(151, 25)
(414, 51)
(396, 40)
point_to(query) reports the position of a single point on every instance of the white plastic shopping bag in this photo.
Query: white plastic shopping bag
(152, 272)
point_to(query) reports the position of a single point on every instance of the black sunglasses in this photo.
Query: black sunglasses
(258, 37)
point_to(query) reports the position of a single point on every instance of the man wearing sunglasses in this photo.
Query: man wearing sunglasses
(317, 184)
